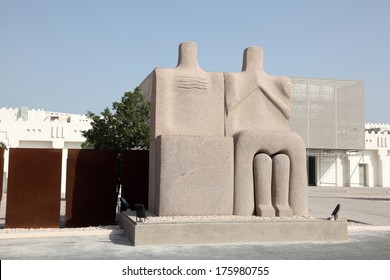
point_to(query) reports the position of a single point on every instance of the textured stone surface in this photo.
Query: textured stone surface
(185, 100)
(280, 184)
(249, 143)
(258, 110)
(254, 99)
(154, 158)
(193, 175)
(262, 168)
(194, 114)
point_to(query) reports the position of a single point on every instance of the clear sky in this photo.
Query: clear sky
(76, 56)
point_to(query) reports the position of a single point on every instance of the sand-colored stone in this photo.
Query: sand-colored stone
(251, 142)
(188, 175)
(254, 99)
(193, 175)
(280, 184)
(194, 114)
(185, 100)
(258, 110)
(262, 168)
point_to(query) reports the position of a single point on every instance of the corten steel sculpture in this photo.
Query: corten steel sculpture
(221, 143)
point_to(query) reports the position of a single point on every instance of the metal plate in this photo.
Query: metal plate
(34, 188)
(91, 196)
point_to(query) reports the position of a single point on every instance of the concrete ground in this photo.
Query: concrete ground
(367, 205)
(371, 206)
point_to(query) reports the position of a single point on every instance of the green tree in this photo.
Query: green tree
(125, 127)
(3, 145)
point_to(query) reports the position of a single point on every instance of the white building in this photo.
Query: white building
(357, 168)
(24, 128)
(376, 161)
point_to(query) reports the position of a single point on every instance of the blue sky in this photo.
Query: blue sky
(81, 55)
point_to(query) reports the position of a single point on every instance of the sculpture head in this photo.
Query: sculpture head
(188, 55)
(253, 59)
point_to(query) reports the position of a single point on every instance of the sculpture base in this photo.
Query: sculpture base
(157, 233)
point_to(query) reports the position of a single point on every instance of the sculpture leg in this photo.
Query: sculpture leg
(244, 199)
(280, 184)
(249, 143)
(262, 173)
(298, 181)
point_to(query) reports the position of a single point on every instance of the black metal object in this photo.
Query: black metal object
(124, 204)
(335, 212)
(140, 212)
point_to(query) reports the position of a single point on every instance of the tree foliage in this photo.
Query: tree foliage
(3, 145)
(125, 127)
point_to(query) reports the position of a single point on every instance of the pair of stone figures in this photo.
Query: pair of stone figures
(221, 142)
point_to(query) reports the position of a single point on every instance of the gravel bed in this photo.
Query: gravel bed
(173, 219)
(358, 224)
(234, 218)
(81, 229)
(217, 218)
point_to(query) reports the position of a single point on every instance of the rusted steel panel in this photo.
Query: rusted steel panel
(91, 197)
(34, 188)
(135, 177)
(1, 172)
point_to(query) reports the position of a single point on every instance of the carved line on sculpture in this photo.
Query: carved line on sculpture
(279, 104)
(283, 108)
(232, 108)
(191, 86)
(191, 83)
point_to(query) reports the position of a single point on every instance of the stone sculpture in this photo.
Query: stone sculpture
(220, 142)
(191, 162)
(258, 109)
(185, 100)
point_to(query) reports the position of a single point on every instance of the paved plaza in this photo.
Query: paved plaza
(369, 206)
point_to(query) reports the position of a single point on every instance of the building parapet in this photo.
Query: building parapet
(36, 128)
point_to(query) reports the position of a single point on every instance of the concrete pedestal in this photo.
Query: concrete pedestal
(156, 233)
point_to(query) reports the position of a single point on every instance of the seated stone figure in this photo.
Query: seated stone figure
(220, 143)
(190, 159)
(269, 159)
